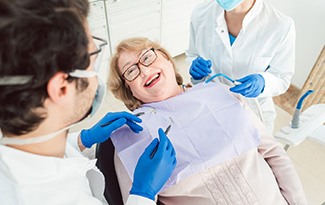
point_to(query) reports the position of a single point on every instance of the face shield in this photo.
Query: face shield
(99, 71)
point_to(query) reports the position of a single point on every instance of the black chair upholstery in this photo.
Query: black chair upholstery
(105, 162)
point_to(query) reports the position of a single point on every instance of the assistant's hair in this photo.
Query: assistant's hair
(117, 84)
(38, 38)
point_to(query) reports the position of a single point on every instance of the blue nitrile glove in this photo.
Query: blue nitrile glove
(200, 68)
(98, 133)
(251, 86)
(150, 175)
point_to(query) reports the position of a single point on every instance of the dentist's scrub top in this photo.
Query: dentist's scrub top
(265, 45)
(27, 178)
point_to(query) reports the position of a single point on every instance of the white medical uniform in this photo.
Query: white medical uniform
(31, 179)
(267, 39)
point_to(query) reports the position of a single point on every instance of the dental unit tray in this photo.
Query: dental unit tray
(311, 126)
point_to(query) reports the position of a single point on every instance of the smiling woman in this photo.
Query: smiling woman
(142, 71)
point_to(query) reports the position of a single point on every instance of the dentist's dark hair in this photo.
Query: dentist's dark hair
(38, 38)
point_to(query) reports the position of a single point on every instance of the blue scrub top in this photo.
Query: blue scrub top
(232, 39)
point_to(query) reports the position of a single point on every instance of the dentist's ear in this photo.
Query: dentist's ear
(58, 88)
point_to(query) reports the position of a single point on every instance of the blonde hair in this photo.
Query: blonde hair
(116, 82)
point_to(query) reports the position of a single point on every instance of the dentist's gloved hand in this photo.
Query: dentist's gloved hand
(200, 68)
(251, 86)
(151, 174)
(98, 133)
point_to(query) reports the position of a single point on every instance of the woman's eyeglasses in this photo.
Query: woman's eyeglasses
(146, 60)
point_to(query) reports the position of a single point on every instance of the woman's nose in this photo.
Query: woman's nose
(144, 71)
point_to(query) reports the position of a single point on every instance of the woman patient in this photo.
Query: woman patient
(224, 153)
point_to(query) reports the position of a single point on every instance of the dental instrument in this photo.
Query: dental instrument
(156, 148)
(224, 76)
(295, 123)
(303, 124)
(108, 123)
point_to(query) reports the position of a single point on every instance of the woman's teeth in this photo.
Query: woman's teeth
(152, 79)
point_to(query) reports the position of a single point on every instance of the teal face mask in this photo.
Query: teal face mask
(229, 5)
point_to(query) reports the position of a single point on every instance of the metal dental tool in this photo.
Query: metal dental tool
(108, 123)
(156, 148)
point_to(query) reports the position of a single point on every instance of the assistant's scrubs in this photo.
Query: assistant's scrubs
(265, 45)
(232, 39)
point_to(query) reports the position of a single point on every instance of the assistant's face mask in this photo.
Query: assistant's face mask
(99, 71)
(229, 5)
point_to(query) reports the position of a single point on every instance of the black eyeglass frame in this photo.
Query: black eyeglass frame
(137, 64)
(103, 43)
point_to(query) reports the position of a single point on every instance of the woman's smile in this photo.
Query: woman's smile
(152, 80)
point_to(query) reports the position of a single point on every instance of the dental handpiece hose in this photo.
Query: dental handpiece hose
(295, 123)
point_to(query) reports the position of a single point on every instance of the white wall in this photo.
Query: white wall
(309, 17)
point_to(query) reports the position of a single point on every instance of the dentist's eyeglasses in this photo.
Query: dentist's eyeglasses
(100, 45)
(145, 59)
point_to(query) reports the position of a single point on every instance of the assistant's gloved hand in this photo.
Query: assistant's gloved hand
(251, 86)
(200, 68)
(98, 133)
(151, 174)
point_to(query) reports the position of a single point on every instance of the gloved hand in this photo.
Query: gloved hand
(251, 86)
(200, 68)
(98, 133)
(151, 174)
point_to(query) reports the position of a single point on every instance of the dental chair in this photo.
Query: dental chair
(105, 162)
(312, 126)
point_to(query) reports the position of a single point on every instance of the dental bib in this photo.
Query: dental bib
(208, 127)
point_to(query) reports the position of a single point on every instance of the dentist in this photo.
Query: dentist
(248, 40)
(49, 65)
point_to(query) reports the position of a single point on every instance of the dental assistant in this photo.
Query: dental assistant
(248, 40)
(49, 65)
